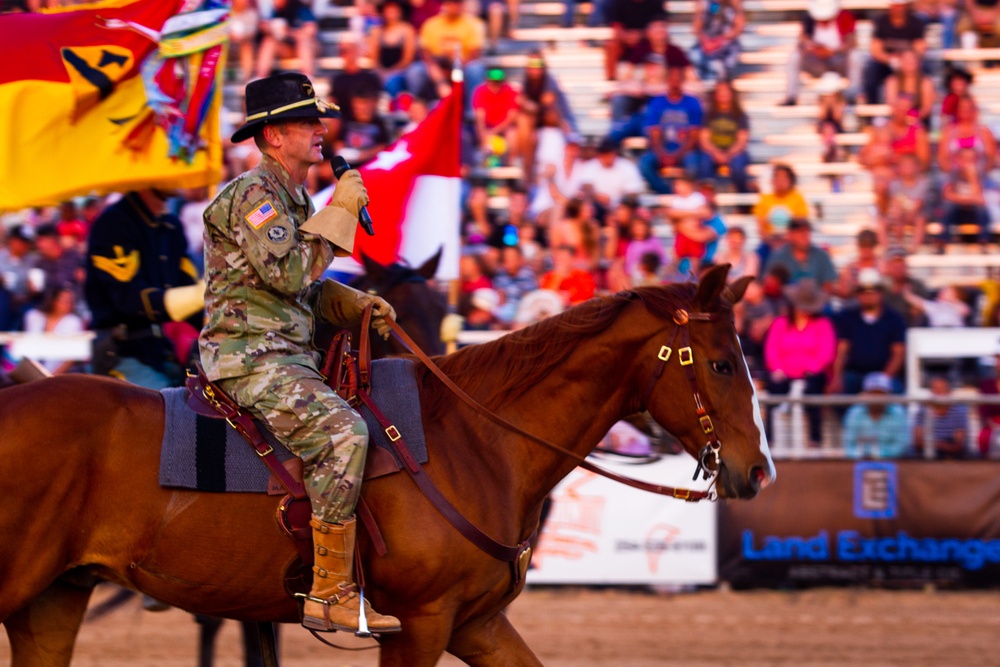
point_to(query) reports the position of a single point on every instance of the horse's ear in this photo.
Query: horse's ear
(374, 270)
(739, 287)
(429, 269)
(710, 288)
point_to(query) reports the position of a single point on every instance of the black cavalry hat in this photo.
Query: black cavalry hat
(281, 97)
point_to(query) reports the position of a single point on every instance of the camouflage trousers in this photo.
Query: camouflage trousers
(315, 424)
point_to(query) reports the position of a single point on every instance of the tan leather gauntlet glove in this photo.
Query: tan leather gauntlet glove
(344, 306)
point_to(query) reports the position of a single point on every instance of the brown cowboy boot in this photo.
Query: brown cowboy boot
(334, 603)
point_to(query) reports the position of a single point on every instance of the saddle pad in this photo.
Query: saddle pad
(209, 455)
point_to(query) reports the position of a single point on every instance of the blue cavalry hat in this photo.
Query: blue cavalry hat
(281, 97)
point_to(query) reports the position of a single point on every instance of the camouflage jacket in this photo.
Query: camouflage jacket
(261, 273)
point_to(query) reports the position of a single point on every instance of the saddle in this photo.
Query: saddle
(348, 373)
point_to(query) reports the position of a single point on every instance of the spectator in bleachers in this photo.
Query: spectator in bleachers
(905, 219)
(876, 431)
(713, 222)
(480, 310)
(901, 135)
(831, 103)
(452, 32)
(16, 259)
(673, 122)
(628, 101)
(871, 338)
(289, 21)
(649, 270)
(896, 31)
(494, 104)
(950, 429)
(641, 241)
(989, 415)
(577, 229)
(801, 345)
(910, 80)
(392, 46)
(497, 13)
(899, 282)
(55, 315)
(351, 80)
(754, 315)
(365, 132)
(717, 26)
(71, 228)
(734, 251)
(60, 265)
(967, 133)
(867, 257)
(802, 258)
(608, 177)
(472, 273)
(947, 309)
(629, 19)
(979, 24)
(724, 136)
(944, 12)
(422, 10)
(957, 84)
(574, 285)
(827, 44)
(687, 212)
(243, 28)
(775, 209)
(558, 181)
(964, 196)
(513, 279)
(539, 92)
(598, 13)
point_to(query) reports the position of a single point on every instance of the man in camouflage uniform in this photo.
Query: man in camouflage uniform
(264, 254)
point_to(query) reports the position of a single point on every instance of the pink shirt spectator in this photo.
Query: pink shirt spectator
(796, 353)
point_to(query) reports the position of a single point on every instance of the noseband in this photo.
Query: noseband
(708, 457)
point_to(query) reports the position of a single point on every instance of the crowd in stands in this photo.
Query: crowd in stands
(579, 222)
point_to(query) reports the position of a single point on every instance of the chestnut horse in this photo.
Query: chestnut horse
(82, 501)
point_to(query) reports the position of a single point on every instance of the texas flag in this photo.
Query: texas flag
(414, 186)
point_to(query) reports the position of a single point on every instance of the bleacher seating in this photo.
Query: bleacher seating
(575, 56)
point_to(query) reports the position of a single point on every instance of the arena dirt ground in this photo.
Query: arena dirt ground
(588, 628)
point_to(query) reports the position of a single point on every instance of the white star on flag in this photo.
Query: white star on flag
(388, 159)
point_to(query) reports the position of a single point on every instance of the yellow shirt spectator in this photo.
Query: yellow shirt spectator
(440, 34)
(773, 211)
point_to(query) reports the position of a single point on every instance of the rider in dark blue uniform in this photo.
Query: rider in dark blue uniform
(140, 277)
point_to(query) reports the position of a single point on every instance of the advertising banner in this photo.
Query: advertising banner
(602, 532)
(867, 522)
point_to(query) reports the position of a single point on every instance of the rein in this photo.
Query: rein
(708, 456)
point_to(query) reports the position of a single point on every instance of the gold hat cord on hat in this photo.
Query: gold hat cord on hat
(320, 104)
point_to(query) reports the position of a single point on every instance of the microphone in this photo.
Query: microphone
(340, 166)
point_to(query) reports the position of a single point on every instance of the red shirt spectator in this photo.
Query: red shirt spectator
(496, 99)
(574, 285)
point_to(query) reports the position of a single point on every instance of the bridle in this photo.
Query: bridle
(709, 459)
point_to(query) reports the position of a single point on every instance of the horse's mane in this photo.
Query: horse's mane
(522, 358)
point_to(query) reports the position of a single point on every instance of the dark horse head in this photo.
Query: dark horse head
(419, 307)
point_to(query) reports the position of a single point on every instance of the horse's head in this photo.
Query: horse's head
(419, 307)
(699, 385)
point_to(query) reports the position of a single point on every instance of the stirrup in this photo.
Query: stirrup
(317, 625)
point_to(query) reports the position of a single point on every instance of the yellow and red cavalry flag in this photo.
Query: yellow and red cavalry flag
(110, 96)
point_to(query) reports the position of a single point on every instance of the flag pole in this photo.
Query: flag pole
(454, 286)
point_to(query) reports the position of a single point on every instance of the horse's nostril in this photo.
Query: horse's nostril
(758, 478)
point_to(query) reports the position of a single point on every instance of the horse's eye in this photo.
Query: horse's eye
(722, 367)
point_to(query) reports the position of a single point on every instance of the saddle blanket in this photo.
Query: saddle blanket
(209, 455)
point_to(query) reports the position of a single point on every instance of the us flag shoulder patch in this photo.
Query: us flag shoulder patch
(261, 214)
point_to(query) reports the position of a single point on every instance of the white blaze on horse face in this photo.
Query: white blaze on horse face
(772, 473)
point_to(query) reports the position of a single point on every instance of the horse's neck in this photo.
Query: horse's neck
(574, 406)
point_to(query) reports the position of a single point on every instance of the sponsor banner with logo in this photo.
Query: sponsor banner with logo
(876, 522)
(602, 532)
